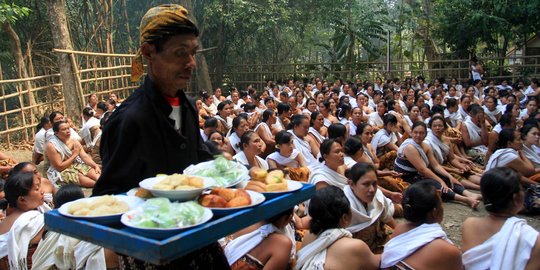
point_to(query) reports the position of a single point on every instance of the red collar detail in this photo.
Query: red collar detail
(173, 101)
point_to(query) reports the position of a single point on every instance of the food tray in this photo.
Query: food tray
(122, 240)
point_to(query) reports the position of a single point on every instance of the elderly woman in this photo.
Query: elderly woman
(500, 240)
(415, 159)
(372, 212)
(251, 146)
(329, 242)
(21, 230)
(330, 173)
(420, 242)
(69, 162)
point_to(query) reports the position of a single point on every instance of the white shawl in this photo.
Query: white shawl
(265, 128)
(418, 147)
(531, 155)
(475, 134)
(501, 158)
(375, 119)
(53, 174)
(241, 157)
(510, 248)
(440, 149)
(462, 112)
(403, 245)
(25, 228)
(65, 252)
(242, 245)
(235, 142)
(491, 114)
(381, 207)
(86, 133)
(329, 176)
(349, 162)
(316, 134)
(455, 117)
(381, 138)
(313, 255)
(305, 149)
(227, 123)
(284, 161)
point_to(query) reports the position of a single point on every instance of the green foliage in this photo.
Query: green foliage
(10, 13)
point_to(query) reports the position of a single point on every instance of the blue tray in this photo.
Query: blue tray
(122, 240)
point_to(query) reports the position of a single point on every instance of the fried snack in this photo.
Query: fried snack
(242, 193)
(256, 186)
(143, 193)
(257, 174)
(277, 187)
(238, 202)
(275, 177)
(225, 193)
(195, 181)
(212, 200)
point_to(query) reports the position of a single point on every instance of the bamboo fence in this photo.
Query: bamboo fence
(104, 74)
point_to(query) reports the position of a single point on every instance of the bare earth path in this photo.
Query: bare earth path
(454, 213)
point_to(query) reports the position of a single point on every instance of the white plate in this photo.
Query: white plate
(176, 195)
(244, 176)
(160, 233)
(292, 186)
(256, 199)
(132, 202)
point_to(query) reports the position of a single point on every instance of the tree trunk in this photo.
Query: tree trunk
(22, 71)
(128, 30)
(201, 73)
(62, 40)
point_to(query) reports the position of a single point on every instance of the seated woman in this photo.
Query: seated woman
(46, 186)
(331, 172)
(239, 127)
(328, 242)
(22, 229)
(58, 251)
(417, 162)
(458, 167)
(69, 161)
(317, 131)
(475, 134)
(530, 135)
(266, 245)
(372, 212)
(490, 109)
(264, 130)
(500, 240)
(507, 121)
(376, 118)
(251, 146)
(385, 142)
(287, 157)
(509, 154)
(354, 153)
(356, 120)
(224, 116)
(420, 242)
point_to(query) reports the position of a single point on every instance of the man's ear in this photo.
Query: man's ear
(148, 51)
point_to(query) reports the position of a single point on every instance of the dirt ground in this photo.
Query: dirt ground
(454, 213)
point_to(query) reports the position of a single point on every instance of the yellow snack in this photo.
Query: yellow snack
(195, 181)
(275, 177)
(277, 187)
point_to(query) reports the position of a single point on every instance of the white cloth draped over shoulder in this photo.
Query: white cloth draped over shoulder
(235, 141)
(313, 255)
(243, 244)
(65, 252)
(329, 176)
(14, 244)
(265, 128)
(320, 138)
(241, 157)
(455, 117)
(381, 138)
(285, 161)
(405, 244)
(418, 147)
(491, 114)
(510, 248)
(305, 149)
(531, 155)
(86, 130)
(475, 134)
(52, 173)
(380, 208)
(462, 112)
(440, 150)
(501, 158)
(375, 119)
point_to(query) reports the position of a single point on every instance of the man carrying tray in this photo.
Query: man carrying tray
(155, 130)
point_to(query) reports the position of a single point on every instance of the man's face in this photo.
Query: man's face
(171, 68)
